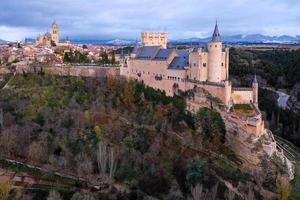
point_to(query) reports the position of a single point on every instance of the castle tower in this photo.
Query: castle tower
(154, 39)
(255, 90)
(55, 33)
(215, 57)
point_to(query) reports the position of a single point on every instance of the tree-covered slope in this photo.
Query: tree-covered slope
(134, 138)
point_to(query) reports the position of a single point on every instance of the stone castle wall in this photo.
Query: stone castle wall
(64, 70)
(242, 95)
(84, 71)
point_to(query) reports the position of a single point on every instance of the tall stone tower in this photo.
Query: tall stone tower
(215, 57)
(255, 90)
(55, 33)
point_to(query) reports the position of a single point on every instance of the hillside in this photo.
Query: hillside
(134, 139)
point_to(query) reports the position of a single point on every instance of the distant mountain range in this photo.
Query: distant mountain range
(3, 42)
(251, 38)
(234, 39)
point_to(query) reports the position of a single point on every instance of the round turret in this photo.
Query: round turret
(215, 57)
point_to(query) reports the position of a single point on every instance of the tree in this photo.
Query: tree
(284, 187)
(230, 195)
(197, 172)
(213, 127)
(36, 152)
(54, 195)
(79, 196)
(106, 161)
(113, 58)
(5, 188)
(104, 58)
(197, 192)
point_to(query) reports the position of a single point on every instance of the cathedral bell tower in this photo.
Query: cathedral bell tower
(55, 33)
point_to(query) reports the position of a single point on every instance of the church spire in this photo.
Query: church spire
(216, 35)
(255, 79)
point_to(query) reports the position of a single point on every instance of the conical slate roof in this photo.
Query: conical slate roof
(255, 79)
(216, 35)
(54, 23)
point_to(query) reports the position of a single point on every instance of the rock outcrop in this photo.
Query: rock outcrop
(293, 104)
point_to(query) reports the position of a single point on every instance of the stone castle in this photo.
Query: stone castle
(169, 69)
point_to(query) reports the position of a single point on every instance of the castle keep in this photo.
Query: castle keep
(172, 69)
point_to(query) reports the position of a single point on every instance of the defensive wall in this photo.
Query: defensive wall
(64, 70)
(242, 95)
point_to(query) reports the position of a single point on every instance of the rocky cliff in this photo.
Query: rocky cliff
(293, 104)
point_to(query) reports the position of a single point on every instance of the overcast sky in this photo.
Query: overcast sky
(125, 19)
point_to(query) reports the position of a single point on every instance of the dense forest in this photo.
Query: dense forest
(132, 137)
(279, 68)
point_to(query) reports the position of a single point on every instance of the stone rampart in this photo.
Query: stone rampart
(84, 71)
(64, 70)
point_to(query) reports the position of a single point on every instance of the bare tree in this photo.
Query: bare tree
(197, 192)
(54, 195)
(106, 161)
(230, 195)
(214, 191)
(259, 177)
(250, 195)
(102, 158)
(112, 164)
(1, 119)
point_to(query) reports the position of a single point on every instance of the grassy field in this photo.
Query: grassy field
(244, 109)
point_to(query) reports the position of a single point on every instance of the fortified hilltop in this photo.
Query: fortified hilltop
(205, 71)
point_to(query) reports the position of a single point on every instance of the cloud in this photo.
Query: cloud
(16, 33)
(102, 19)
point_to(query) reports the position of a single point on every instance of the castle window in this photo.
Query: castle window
(194, 64)
(204, 64)
(222, 64)
(216, 45)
